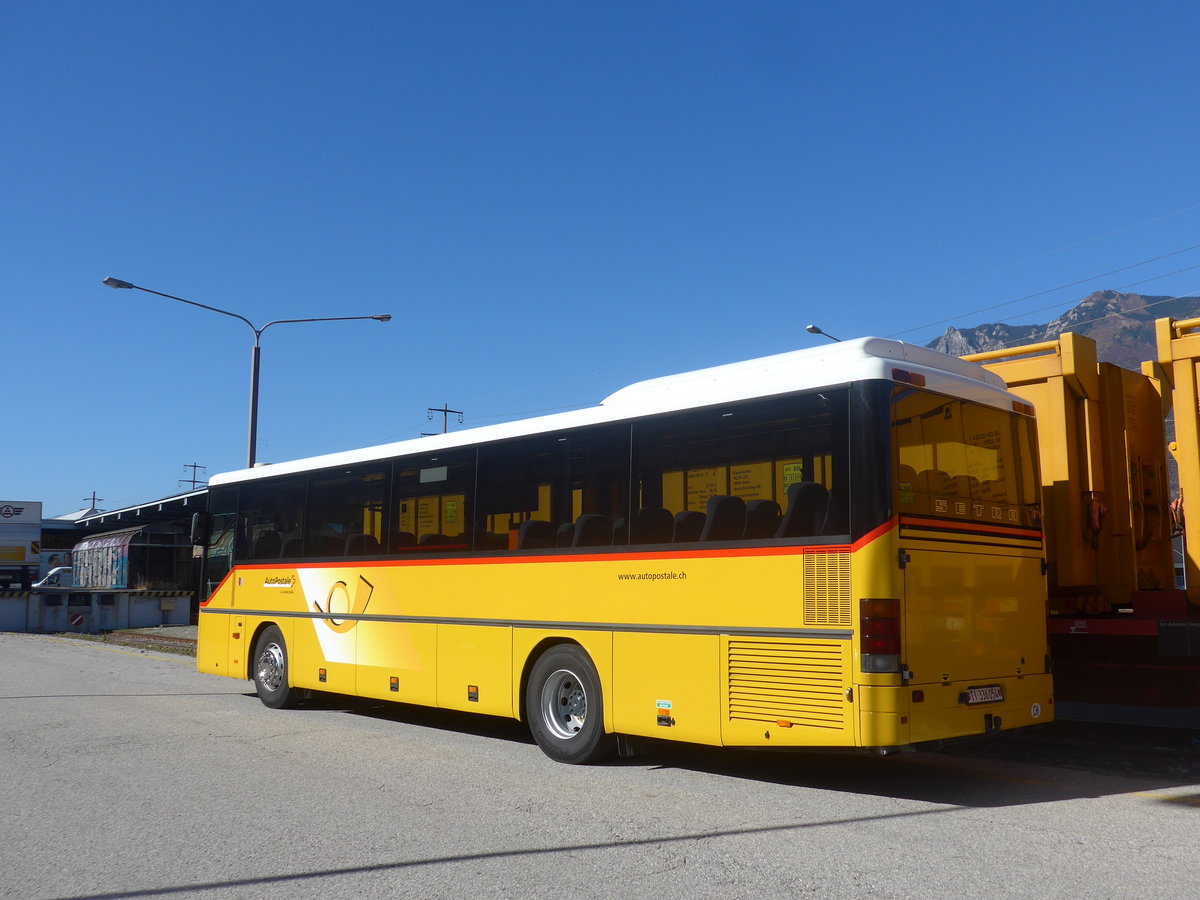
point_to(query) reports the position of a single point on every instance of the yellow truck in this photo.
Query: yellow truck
(1124, 627)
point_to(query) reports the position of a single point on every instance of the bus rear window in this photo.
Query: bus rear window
(963, 460)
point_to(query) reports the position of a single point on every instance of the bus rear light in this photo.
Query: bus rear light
(874, 643)
(879, 635)
(879, 608)
(914, 378)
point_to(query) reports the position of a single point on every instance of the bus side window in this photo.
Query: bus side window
(346, 510)
(556, 491)
(270, 512)
(431, 504)
(728, 473)
(517, 487)
(599, 479)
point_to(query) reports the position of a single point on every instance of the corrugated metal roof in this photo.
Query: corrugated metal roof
(119, 538)
(168, 509)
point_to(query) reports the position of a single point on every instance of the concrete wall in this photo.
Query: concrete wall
(90, 612)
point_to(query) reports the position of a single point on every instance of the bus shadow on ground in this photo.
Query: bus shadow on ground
(1060, 761)
(1012, 769)
(496, 727)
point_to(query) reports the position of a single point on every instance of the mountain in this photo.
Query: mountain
(1121, 324)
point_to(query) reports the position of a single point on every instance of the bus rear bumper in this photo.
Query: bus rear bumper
(915, 714)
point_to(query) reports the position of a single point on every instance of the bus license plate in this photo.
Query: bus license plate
(993, 693)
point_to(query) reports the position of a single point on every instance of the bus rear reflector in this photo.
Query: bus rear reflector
(914, 378)
(879, 635)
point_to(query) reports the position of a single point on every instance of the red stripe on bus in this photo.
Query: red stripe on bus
(561, 558)
(228, 575)
(873, 535)
(724, 553)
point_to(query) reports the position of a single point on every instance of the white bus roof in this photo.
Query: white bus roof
(825, 366)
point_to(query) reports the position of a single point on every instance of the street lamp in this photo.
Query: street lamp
(816, 329)
(118, 283)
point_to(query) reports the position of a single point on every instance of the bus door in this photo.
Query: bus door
(214, 622)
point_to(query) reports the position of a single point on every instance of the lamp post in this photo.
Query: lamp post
(816, 329)
(253, 441)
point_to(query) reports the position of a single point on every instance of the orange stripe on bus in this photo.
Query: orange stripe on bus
(722, 553)
(355, 562)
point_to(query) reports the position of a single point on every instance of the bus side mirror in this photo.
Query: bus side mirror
(200, 522)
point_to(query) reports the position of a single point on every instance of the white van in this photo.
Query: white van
(59, 576)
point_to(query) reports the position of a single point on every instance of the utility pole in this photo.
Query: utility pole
(445, 410)
(194, 481)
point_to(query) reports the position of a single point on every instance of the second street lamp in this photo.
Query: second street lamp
(816, 329)
(253, 440)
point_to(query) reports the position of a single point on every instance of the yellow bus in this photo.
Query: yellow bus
(833, 547)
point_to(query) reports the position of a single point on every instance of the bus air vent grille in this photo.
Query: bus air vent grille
(827, 589)
(801, 681)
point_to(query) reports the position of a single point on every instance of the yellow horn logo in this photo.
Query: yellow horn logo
(338, 604)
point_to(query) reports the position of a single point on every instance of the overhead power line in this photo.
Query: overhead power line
(1046, 333)
(1000, 268)
(1130, 284)
(1046, 291)
(1122, 287)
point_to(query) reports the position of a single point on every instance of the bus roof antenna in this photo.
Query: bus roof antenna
(816, 329)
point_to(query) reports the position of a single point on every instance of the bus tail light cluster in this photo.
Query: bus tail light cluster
(879, 635)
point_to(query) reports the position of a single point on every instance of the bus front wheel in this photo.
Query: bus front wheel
(271, 670)
(565, 709)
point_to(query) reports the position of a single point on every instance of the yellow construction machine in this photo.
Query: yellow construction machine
(1123, 572)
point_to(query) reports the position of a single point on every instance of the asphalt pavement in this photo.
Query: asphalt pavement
(129, 774)
(1120, 739)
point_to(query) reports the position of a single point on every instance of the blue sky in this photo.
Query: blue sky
(551, 199)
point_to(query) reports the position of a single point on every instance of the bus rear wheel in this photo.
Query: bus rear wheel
(564, 707)
(271, 670)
